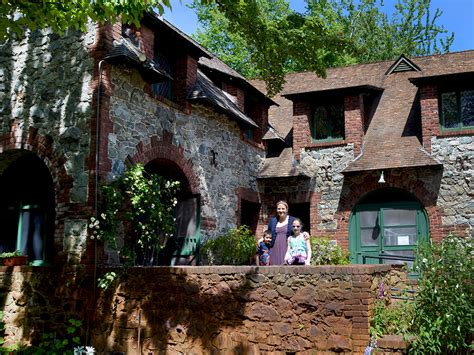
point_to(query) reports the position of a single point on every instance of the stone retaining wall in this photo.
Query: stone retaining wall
(244, 309)
(195, 310)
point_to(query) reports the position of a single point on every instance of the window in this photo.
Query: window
(27, 208)
(328, 122)
(457, 109)
(164, 88)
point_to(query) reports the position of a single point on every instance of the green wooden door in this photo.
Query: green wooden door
(187, 237)
(386, 230)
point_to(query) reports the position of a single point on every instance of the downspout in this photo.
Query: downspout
(96, 187)
(97, 165)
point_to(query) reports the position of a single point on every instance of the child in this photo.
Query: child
(263, 249)
(299, 247)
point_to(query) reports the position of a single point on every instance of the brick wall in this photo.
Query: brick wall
(353, 121)
(429, 114)
(301, 126)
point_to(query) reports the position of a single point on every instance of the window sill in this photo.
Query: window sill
(456, 132)
(327, 144)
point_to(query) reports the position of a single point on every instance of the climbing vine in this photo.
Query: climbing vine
(142, 204)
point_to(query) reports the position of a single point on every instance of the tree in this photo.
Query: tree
(266, 39)
(329, 33)
(17, 15)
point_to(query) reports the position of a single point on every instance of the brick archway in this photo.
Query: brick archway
(164, 150)
(26, 141)
(356, 187)
(42, 146)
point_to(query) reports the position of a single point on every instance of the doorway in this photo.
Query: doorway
(386, 225)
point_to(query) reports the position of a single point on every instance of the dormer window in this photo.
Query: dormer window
(457, 109)
(164, 88)
(328, 121)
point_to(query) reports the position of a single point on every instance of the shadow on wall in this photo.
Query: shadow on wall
(174, 311)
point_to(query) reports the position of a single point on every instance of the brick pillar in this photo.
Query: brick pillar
(429, 114)
(185, 77)
(353, 121)
(237, 92)
(301, 126)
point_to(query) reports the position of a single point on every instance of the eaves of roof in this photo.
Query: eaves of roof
(125, 52)
(282, 166)
(215, 65)
(205, 90)
(336, 91)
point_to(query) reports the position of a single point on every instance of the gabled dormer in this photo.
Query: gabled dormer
(402, 64)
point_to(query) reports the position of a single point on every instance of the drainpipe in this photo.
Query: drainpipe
(96, 182)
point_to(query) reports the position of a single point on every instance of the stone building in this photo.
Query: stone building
(376, 156)
(96, 101)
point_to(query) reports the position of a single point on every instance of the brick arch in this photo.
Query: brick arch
(42, 146)
(165, 150)
(365, 183)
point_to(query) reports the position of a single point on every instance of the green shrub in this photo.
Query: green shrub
(325, 251)
(393, 319)
(234, 248)
(444, 304)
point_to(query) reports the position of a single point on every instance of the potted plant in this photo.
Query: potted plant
(15, 258)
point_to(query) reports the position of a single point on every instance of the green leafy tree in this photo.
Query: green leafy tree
(18, 15)
(266, 39)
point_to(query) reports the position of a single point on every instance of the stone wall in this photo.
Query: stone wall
(46, 86)
(239, 310)
(456, 194)
(210, 143)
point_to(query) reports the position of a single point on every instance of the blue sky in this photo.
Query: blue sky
(457, 17)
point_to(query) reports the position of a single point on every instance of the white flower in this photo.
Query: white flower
(424, 260)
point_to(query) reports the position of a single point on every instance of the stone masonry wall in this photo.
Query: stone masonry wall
(46, 108)
(456, 193)
(220, 160)
(196, 310)
(246, 310)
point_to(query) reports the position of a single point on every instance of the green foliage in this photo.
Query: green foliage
(234, 248)
(5, 255)
(53, 345)
(395, 318)
(106, 280)
(326, 252)
(444, 305)
(17, 16)
(265, 39)
(145, 203)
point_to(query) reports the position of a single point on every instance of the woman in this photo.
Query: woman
(280, 226)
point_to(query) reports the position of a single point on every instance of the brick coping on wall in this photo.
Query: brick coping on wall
(355, 269)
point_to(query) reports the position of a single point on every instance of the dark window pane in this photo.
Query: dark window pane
(449, 110)
(467, 108)
(329, 122)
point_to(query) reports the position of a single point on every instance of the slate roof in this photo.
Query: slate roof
(214, 64)
(205, 90)
(282, 166)
(124, 51)
(385, 144)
